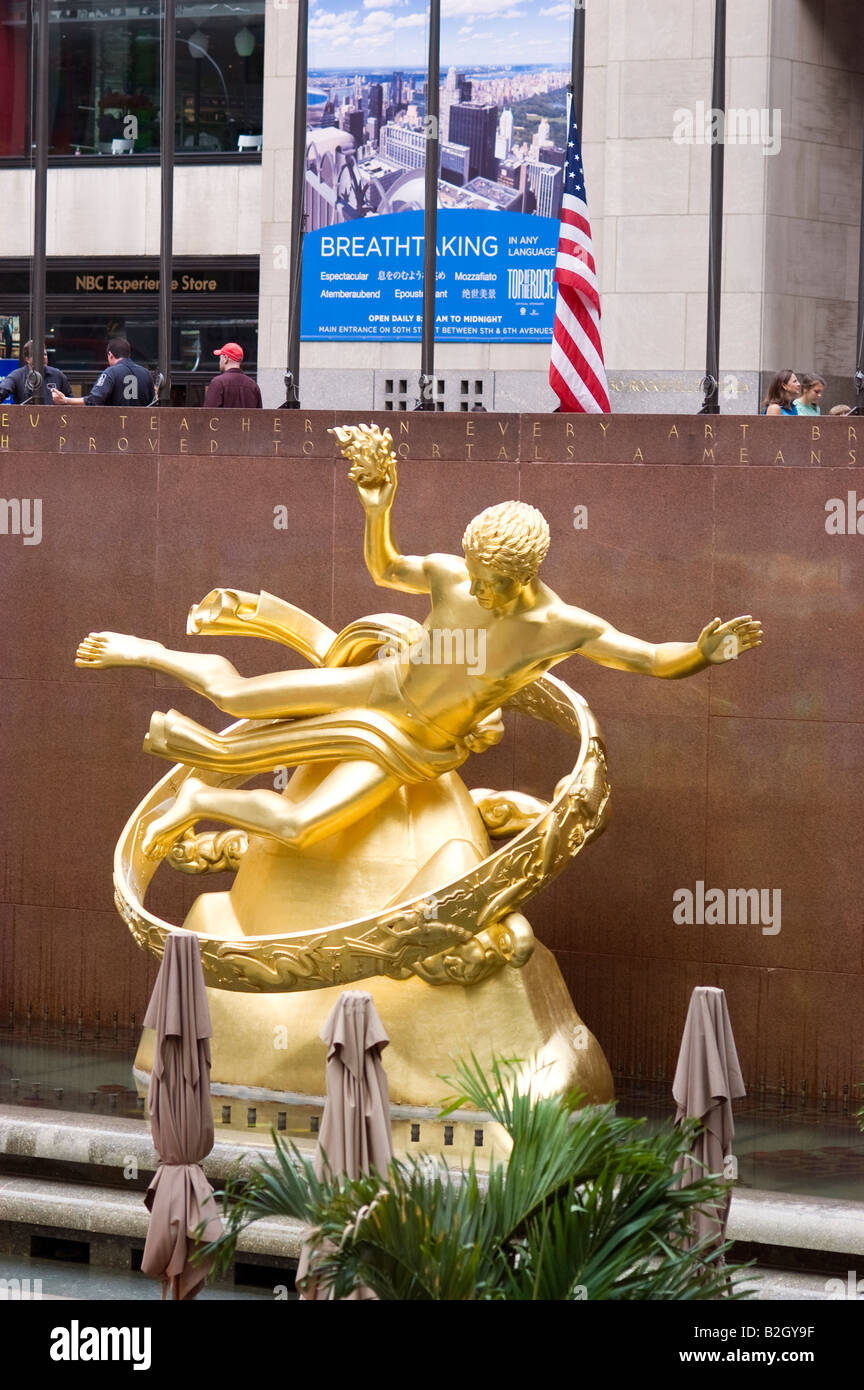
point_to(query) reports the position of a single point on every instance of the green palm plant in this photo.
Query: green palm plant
(586, 1206)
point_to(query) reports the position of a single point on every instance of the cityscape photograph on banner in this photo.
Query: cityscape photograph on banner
(502, 133)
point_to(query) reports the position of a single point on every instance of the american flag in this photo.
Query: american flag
(577, 373)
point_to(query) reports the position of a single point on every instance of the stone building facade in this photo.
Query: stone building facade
(791, 225)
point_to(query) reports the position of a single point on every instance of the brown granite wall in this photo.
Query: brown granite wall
(745, 777)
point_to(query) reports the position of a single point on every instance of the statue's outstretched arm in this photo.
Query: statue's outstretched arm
(717, 643)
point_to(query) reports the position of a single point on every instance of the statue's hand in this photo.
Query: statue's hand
(720, 642)
(376, 494)
(373, 463)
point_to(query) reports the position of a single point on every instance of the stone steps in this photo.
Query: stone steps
(69, 1175)
(107, 1145)
(84, 1210)
(783, 1220)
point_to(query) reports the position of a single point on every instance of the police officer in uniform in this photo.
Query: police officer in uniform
(124, 383)
(15, 384)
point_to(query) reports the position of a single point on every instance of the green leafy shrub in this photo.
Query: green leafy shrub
(587, 1206)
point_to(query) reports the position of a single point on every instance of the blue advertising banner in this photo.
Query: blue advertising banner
(502, 136)
(364, 279)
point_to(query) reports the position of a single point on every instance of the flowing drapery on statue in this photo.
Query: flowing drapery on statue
(344, 734)
(355, 1136)
(707, 1080)
(180, 1198)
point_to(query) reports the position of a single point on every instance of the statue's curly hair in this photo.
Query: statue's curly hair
(511, 538)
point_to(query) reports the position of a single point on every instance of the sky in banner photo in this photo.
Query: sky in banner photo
(395, 31)
(502, 141)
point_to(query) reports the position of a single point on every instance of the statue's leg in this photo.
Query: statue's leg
(283, 694)
(345, 795)
(201, 671)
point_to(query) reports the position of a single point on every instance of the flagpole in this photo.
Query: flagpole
(298, 207)
(40, 205)
(859, 365)
(577, 61)
(430, 210)
(166, 170)
(711, 381)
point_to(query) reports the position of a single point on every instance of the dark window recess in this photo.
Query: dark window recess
(474, 397)
(57, 1248)
(14, 282)
(314, 1121)
(403, 386)
(478, 1138)
(265, 1276)
(448, 1134)
(415, 1134)
(252, 1117)
(388, 386)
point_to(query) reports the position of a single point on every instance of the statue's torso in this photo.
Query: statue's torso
(467, 661)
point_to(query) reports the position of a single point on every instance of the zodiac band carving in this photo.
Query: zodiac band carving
(388, 703)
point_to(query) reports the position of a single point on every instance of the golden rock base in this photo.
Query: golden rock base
(271, 1041)
(426, 832)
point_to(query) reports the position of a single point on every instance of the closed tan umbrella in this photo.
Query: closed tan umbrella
(355, 1136)
(707, 1080)
(180, 1198)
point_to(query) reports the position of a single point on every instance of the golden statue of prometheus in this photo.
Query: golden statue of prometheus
(389, 702)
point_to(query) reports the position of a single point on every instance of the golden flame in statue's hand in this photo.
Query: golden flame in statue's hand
(370, 452)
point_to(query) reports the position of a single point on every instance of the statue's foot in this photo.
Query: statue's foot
(181, 816)
(115, 649)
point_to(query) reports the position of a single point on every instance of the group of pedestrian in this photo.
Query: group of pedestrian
(786, 395)
(126, 383)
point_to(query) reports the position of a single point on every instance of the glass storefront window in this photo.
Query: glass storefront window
(76, 343)
(220, 76)
(105, 77)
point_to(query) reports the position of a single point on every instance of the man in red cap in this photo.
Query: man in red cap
(232, 387)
